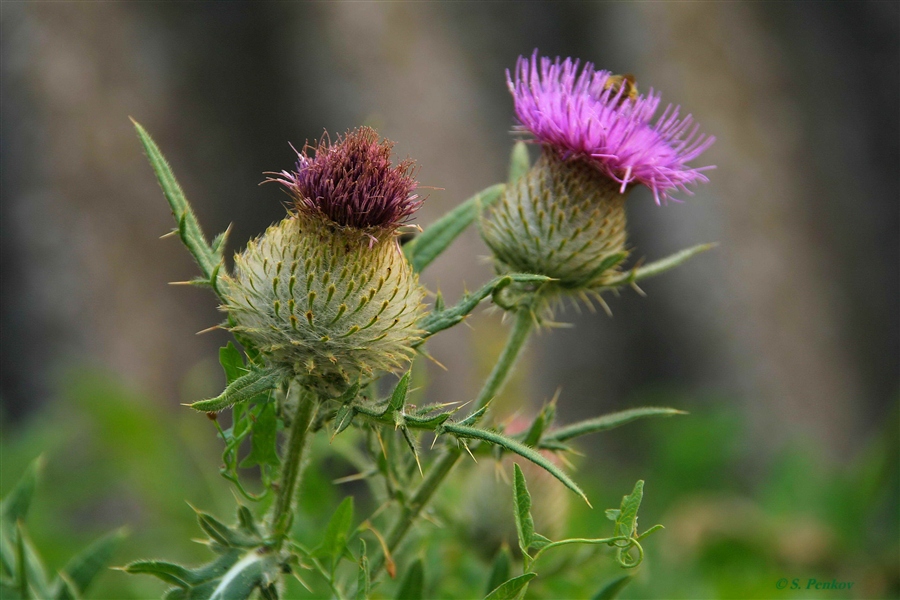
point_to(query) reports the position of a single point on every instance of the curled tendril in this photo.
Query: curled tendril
(624, 557)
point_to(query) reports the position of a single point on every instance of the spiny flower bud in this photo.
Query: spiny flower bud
(327, 293)
(565, 218)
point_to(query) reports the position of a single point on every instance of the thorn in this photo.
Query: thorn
(181, 283)
(466, 446)
(605, 306)
(349, 478)
(168, 235)
(588, 502)
(637, 288)
(208, 329)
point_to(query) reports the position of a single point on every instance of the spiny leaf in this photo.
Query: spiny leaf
(335, 540)
(500, 569)
(263, 443)
(519, 163)
(168, 572)
(511, 589)
(540, 423)
(15, 505)
(398, 397)
(226, 536)
(513, 446)
(343, 418)
(611, 590)
(659, 266)
(188, 226)
(610, 421)
(439, 235)
(84, 567)
(438, 320)
(242, 389)
(413, 586)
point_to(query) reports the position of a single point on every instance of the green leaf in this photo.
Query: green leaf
(263, 450)
(500, 569)
(335, 540)
(188, 226)
(413, 586)
(439, 235)
(34, 572)
(511, 589)
(606, 422)
(226, 536)
(519, 163)
(522, 501)
(15, 505)
(247, 574)
(362, 580)
(540, 423)
(169, 572)
(659, 266)
(611, 590)
(84, 567)
(439, 320)
(517, 447)
(626, 523)
(243, 389)
(232, 362)
(398, 397)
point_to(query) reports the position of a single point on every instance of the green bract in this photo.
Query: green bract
(563, 219)
(331, 304)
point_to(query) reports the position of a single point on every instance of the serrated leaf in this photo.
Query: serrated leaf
(519, 162)
(500, 569)
(15, 504)
(610, 421)
(362, 579)
(244, 388)
(517, 447)
(611, 590)
(413, 586)
(439, 235)
(626, 524)
(84, 567)
(263, 443)
(232, 362)
(509, 590)
(522, 504)
(335, 540)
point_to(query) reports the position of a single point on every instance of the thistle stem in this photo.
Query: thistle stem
(292, 465)
(522, 328)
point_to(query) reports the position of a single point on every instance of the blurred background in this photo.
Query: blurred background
(783, 342)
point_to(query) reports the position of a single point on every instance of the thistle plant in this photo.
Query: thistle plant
(326, 302)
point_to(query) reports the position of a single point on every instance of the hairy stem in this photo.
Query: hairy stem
(292, 465)
(522, 327)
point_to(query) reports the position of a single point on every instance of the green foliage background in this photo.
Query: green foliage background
(731, 532)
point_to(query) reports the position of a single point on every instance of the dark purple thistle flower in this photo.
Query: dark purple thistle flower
(594, 115)
(352, 182)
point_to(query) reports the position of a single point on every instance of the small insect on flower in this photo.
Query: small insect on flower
(327, 293)
(565, 217)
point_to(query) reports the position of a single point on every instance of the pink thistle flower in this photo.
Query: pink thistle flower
(598, 117)
(353, 183)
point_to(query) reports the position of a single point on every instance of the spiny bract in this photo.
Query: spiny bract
(563, 219)
(326, 302)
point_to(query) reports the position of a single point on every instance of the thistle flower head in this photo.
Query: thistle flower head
(352, 182)
(600, 118)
